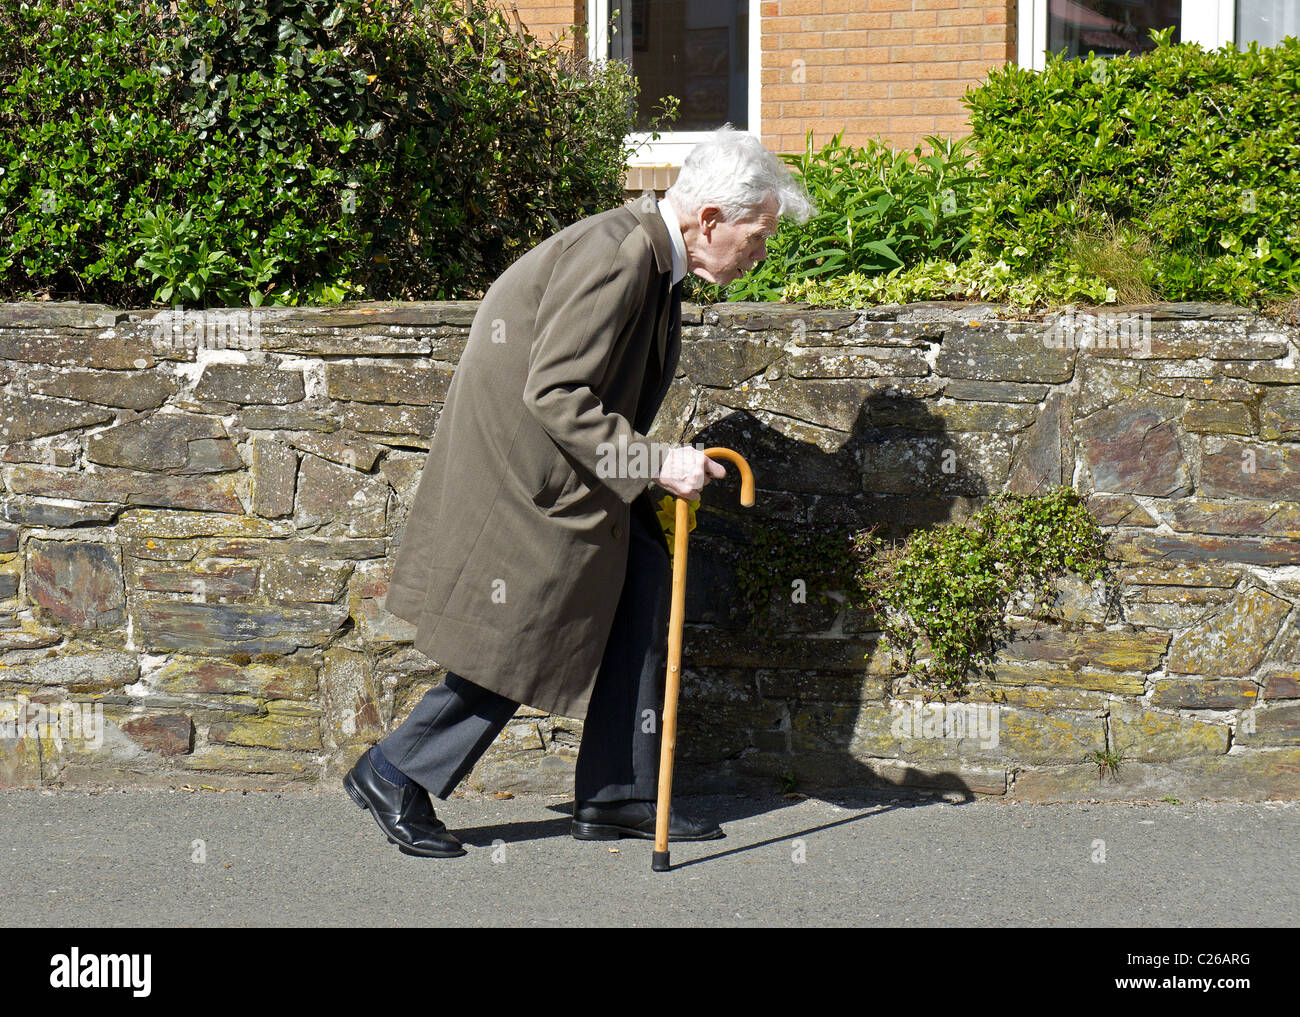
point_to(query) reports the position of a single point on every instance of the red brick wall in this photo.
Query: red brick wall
(888, 69)
(894, 70)
(548, 19)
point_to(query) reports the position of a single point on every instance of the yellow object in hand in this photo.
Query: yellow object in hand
(668, 517)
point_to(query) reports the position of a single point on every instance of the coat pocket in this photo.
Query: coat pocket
(560, 481)
(532, 458)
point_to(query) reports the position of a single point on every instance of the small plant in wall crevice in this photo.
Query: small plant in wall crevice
(940, 597)
(943, 593)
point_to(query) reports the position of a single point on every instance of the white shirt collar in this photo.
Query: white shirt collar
(670, 219)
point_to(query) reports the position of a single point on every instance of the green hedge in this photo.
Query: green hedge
(878, 209)
(289, 150)
(1179, 164)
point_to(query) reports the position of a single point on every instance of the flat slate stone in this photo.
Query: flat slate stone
(206, 676)
(372, 312)
(1158, 547)
(166, 443)
(1213, 389)
(856, 362)
(1119, 510)
(35, 512)
(1228, 694)
(55, 314)
(108, 349)
(31, 417)
(249, 384)
(754, 316)
(1247, 776)
(378, 419)
(1219, 418)
(86, 670)
(1235, 518)
(339, 548)
(168, 734)
(994, 391)
(726, 362)
(371, 341)
(1264, 374)
(226, 758)
(161, 523)
(377, 383)
(1232, 642)
(1279, 415)
(234, 628)
(993, 417)
(78, 582)
(133, 390)
(328, 493)
(1276, 724)
(129, 487)
(1176, 574)
(980, 354)
(951, 464)
(1043, 456)
(1132, 448)
(296, 580)
(351, 696)
(343, 447)
(203, 582)
(1250, 470)
(45, 453)
(1013, 733)
(272, 732)
(273, 418)
(273, 474)
(1125, 651)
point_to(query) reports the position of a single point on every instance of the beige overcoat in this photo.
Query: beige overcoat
(513, 555)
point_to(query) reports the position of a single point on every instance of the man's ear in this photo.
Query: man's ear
(709, 216)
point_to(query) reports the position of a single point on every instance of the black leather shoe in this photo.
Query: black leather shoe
(404, 813)
(612, 820)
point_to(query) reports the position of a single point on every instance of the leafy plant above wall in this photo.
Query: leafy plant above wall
(942, 594)
(878, 209)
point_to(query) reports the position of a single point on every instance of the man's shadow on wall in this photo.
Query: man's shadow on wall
(746, 727)
(899, 470)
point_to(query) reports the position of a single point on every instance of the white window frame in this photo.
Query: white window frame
(1212, 23)
(672, 146)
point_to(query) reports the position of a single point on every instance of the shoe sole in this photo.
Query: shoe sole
(356, 795)
(603, 831)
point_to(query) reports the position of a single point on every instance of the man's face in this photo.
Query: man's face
(721, 252)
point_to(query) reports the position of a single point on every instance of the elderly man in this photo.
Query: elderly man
(532, 562)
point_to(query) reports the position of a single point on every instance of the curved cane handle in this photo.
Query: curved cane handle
(746, 474)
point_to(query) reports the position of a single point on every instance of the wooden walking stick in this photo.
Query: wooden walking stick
(676, 621)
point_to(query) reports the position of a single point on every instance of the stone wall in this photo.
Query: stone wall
(200, 512)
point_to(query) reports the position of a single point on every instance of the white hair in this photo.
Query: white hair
(733, 171)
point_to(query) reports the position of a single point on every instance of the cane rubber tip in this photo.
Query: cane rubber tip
(659, 863)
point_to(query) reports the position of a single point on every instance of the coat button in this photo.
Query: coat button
(618, 531)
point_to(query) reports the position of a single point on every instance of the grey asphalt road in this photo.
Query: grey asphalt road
(165, 857)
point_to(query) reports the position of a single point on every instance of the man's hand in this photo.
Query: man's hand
(685, 471)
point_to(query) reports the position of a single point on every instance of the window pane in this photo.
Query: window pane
(1109, 27)
(696, 50)
(1266, 22)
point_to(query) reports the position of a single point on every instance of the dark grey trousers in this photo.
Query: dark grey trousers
(455, 722)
